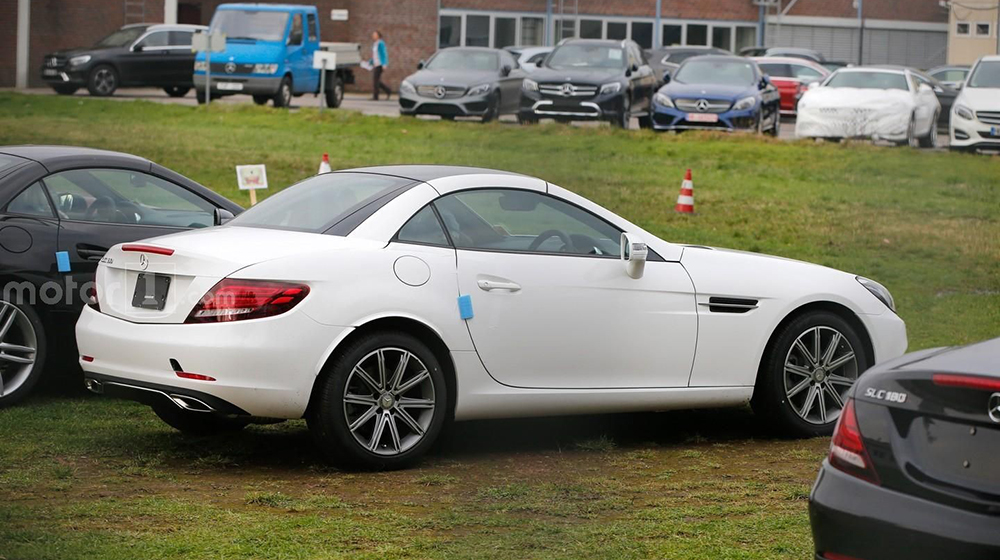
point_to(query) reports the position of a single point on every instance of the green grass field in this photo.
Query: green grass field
(93, 478)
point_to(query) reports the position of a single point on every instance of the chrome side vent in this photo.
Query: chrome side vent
(730, 305)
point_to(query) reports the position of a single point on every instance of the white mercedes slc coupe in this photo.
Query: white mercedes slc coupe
(380, 303)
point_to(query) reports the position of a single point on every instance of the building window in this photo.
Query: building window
(617, 30)
(642, 33)
(565, 29)
(983, 30)
(697, 34)
(962, 29)
(722, 37)
(591, 29)
(477, 31)
(451, 32)
(746, 36)
(504, 32)
(673, 34)
(532, 31)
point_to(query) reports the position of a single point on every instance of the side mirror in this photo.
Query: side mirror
(635, 68)
(420, 65)
(666, 77)
(505, 71)
(222, 216)
(813, 85)
(924, 88)
(634, 253)
(540, 62)
(138, 48)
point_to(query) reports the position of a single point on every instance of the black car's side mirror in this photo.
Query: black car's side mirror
(420, 65)
(222, 216)
(666, 77)
(505, 71)
(138, 48)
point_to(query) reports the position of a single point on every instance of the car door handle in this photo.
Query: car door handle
(498, 286)
(91, 252)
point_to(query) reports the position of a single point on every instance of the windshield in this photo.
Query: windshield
(587, 56)
(254, 25)
(986, 75)
(122, 37)
(716, 72)
(316, 204)
(464, 60)
(868, 80)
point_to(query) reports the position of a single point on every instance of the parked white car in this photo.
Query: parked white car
(380, 303)
(529, 57)
(874, 103)
(975, 116)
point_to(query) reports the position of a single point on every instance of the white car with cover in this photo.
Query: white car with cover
(380, 303)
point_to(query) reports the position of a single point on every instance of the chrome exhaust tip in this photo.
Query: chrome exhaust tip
(94, 386)
(190, 403)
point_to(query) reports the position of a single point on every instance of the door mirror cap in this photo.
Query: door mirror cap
(666, 77)
(813, 85)
(634, 252)
(420, 65)
(222, 216)
(138, 48)
(505, 71)
(540, 62)
(925, 88)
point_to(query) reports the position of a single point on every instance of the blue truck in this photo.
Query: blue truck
(269, 55)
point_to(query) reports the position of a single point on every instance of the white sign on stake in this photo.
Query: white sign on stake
(338, 15)
(250, 178)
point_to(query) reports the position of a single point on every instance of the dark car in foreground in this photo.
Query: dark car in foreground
(718, 93)
(134, 56)
(913, 467)
(61, 208)
(590, 79)
(463, 82)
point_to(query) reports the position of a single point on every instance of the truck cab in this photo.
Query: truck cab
(269, 55)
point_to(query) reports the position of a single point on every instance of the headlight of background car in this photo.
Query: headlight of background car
(200, 66)
(481, 89)
(529, 85)
(663, 99)
(745, 103)
(964, 112)
(407, 87)
(879, 291)
(265, 68)
(79, 60)
(613, 87)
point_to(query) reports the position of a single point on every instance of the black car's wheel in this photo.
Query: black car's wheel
(64, 89)
(447, 117)
(22, 351)
(807, 372)
(335, 92)
(624, 118)
(103, 81)
(930, 140)
(197, 423)
(381, 403)
(283, 97)
(523, 118)
(646, 121)
(493, 109)
(261, 99)
(176, 91)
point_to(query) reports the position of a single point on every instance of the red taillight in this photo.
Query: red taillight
(137, 248)
(87, 358)
(966, 381)
(195, 376)
(92, 300)
(235, 300)
(847, 450)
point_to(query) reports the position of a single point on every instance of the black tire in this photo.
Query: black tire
(930, 141)
(335, 92)
(283, 97)
(200, 97)
(176, 91)
(624, 117)
(770, 399)
(448, 117)
(64, 89)
(526, 119)
(775, 129)
(261, 99)
(328, 419)
(197, 423)
(492, 109)
(26, 378)
(103, 80)
(646, 122)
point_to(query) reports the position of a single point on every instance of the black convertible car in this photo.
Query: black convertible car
(134, 56)
(61, 208)
(913, 470)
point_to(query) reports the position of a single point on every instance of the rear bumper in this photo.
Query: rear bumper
(250, 85)
(263, 367)
(855, 518)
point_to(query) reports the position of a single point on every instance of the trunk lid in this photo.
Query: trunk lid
(188, 265)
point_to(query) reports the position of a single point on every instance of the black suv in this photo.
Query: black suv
(135, 55)
(587, 79)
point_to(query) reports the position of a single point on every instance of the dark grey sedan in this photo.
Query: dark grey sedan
(463, 82)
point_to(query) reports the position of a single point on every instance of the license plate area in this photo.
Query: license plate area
(230, 86)
(151, 291)
(995, 131)
(703, 117)
(50, 72)
(954, 453)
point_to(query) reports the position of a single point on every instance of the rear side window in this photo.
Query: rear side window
(31, 202)
(157, 39)
(805, 72)
(311, 20)
(423, 228)
(776, 70)
(180, 38)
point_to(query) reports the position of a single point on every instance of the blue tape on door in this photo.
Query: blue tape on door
(465, 307)
(62, 261)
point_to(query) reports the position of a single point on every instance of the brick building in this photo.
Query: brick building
(911, 32)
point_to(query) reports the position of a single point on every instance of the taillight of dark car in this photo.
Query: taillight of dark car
(237, 300)
(847, 450)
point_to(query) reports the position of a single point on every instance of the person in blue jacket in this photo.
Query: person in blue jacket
(379, 61)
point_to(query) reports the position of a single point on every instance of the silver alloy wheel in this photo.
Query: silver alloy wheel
(820, 368)
(338, 92)
(286, 94)
(104, 81)
(18, 344)
(911, 133)
(934, 131)
(389, 401)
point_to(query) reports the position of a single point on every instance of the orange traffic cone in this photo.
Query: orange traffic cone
(324, 165)
(685, 200)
